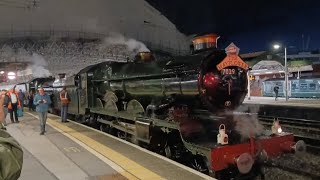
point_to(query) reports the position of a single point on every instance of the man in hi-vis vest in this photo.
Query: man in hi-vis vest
(65, 100)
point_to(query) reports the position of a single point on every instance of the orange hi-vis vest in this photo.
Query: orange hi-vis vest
(10, 103)
(64, 98)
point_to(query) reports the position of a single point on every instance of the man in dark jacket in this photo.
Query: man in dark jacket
(276, 91)
(21, 98)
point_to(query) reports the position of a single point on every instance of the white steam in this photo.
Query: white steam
(39, 66)
(132, 45)
(247, 123)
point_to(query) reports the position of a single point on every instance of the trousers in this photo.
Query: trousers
(43, 120)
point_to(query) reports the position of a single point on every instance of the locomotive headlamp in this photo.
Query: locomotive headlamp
(276, 128)
(222, 137)
(279, 130)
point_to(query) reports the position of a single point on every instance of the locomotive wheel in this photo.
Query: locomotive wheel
(104, 128)
(199, 164)
(121, 135)
(167, 151)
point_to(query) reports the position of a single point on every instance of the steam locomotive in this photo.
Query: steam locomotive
(183, 108)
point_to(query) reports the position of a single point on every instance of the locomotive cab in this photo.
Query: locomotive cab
(204, 43)
(77, 81)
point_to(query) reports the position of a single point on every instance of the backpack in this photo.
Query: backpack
(11, 157)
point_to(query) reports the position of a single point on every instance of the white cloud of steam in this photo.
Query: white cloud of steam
(39, 66)
(247, 124)
(132, 45)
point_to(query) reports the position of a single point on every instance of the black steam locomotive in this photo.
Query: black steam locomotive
(181, 108)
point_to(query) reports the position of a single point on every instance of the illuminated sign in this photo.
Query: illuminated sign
(232, 58)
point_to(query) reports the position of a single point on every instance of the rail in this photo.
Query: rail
(291, 121)
(306, 130)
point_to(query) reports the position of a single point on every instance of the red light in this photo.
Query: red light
(209, 81)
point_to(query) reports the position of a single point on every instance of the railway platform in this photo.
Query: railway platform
(72, 151)
(297, 102)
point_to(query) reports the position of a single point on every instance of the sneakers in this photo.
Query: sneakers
(41, 133)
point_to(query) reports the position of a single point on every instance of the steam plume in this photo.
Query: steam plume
(39, 66)
(132, 45)
(247, 124)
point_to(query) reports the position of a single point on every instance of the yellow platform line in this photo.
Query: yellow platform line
(132, 169)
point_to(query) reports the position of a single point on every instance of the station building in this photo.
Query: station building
(266, 65)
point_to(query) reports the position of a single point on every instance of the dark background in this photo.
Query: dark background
(252, 25)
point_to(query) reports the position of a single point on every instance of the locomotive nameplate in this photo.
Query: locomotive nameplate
(232, 58)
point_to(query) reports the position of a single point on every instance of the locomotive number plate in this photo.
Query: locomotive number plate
(228, 71)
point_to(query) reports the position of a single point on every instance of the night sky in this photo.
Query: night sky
(253, 25)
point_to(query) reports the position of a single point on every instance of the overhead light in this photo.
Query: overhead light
(1, 72)
(276, 46)
(11, 75)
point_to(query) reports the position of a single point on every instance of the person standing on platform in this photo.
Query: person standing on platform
(65, 100)
(30, 101)
(5, 104)
(276, 91)
(42, 102)
(21, 98)
(2, 109)
(13, 105)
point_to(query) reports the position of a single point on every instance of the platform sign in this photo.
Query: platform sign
(232, 58)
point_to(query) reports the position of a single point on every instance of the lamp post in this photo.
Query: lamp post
(249, 90)
(277, 46)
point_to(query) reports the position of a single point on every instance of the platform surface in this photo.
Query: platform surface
(313, 103)
(70, 151)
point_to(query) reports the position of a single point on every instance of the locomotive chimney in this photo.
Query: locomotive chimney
(144, 57)
(205, 42)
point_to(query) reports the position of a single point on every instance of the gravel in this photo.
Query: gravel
(291, 166)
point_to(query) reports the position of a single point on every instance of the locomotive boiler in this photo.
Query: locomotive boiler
(209, 79)
(182, 107)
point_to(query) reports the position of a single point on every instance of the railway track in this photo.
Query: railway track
(312, 127)
(292, 121)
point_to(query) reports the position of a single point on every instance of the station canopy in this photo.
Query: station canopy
(267, 67)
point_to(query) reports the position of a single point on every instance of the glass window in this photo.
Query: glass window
(312, 86)
(303, 86)
(294, 86)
